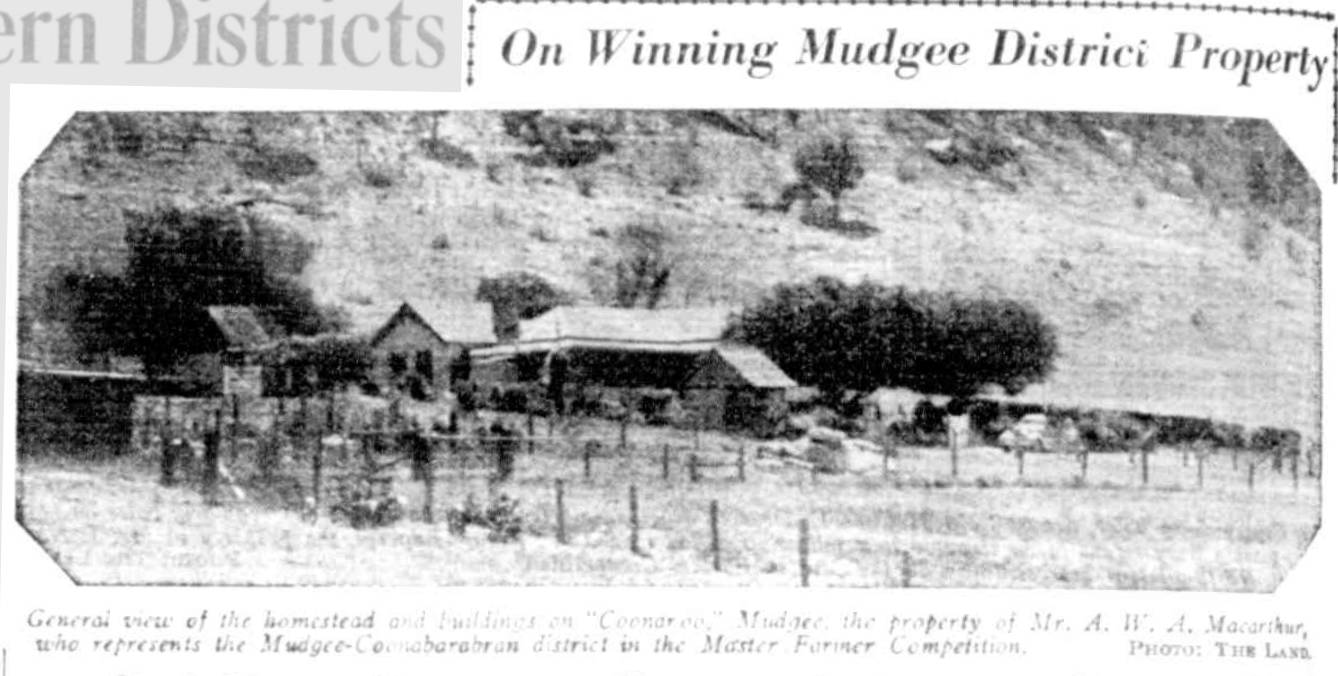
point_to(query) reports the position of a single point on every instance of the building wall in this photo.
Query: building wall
(407, 338)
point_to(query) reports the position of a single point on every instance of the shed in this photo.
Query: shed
(736, 387)
(228, 363)
(85, 413)
(423, 348)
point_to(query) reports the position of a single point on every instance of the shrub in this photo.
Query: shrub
(380, 176)
(561, 142)
(447, 153)
(336, 360)
(276, 165)
(441, 242)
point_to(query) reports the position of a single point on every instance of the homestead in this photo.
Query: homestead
(423, 347)
(671, 352)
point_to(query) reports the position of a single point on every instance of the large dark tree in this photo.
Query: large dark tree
(179, 262)
(841, 337)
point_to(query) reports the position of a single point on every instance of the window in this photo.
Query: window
(398, 364)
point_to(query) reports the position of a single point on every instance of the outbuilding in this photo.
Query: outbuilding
(736, 387)
(229, 359)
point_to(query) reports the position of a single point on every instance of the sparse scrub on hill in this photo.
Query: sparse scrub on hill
(840, 337)
(1254, 241)
(559, 142)
(276, 165)
(679, 169)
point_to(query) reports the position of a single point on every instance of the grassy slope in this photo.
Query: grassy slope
(1159, 306)
(1039, 533)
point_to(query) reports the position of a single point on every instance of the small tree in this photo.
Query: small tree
(832, 164)
(516, 296)
(645, 266)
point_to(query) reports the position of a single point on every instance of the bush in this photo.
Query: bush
(276, 165)
(516, 296)
(562, 143)
(336, 360)
(447, 153)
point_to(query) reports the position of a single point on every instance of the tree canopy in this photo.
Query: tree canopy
(516, 296)
(179, 262)
(860, 337)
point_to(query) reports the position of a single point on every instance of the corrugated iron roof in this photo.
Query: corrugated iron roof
(465, 323)
(754, 367)
(239, 326)
(578, 325)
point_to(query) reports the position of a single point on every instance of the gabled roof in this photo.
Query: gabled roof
(239, 326)
(596, 325)
(754, 367)
(464, 323)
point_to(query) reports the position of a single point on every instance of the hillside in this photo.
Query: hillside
(1178, 258)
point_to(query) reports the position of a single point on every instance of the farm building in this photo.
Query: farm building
(602, 346)
(423, 348)
(232, 340)
(735, 387)
(76, 412)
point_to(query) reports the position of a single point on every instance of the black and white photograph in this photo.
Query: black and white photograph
(867, 348)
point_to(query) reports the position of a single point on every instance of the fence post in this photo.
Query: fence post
(1200, 460)
(585, 460)
(559, 486)
(634, 519)
(740, 462)
(1021, 461)
(212, 440)
(664, 462)
(803, 553)
(696, 434)
(1249, 476)
(1082, 462)
(887, 459)
(166, 430)
(429, 483)
(1296, 470)
(1145, 452)
(905, 567)
(316, 452)
(715, 535)
(952, 451)
(529, 429)
(236, 429)
(167, 463)
(622, 430)
(693, 475)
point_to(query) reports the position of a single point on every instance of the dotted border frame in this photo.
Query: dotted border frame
(1151, 5)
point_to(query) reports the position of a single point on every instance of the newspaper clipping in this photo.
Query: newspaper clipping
(416, 336)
